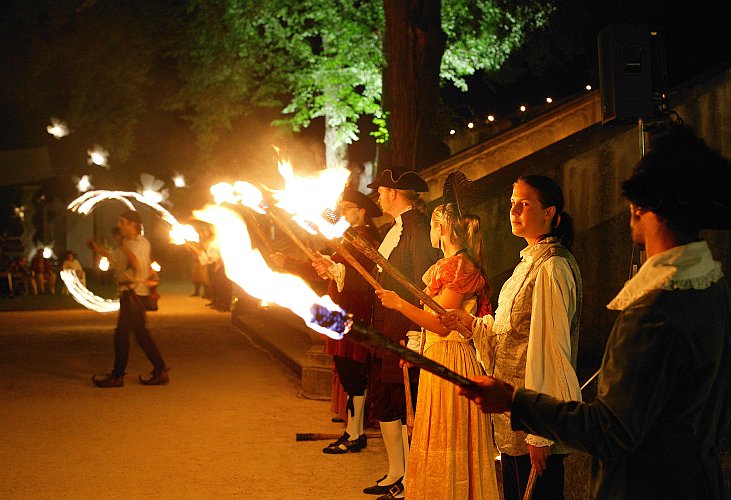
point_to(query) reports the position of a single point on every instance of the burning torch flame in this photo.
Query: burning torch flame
(297, 196)
(57, 128)
(246, 267)
(84, 296)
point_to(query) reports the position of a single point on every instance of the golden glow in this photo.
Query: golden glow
(98, 156)
(57, 128)
(247, 268)
(104, 264)
(179, 233)
(84, 296)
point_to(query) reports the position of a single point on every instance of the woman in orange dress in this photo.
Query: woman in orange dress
(451, 454)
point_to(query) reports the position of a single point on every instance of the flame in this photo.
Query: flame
(104, 264)
(47, 252)
(156, 266)
(83, 184)
(246, 267)
(179, 233)
(297, 197)
(84, 296)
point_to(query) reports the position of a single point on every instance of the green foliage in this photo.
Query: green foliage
(323, 58)
(481, 34)
(319, 58)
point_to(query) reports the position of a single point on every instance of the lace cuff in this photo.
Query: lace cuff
(337, 271)
(538, 441)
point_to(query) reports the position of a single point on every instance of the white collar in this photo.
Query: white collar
(684, 267)
(531, 252)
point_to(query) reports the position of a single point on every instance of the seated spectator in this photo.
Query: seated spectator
(22, 276)
(44, 277)
(72, 263)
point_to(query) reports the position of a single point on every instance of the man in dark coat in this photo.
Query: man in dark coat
(408, 247)
(664, 392)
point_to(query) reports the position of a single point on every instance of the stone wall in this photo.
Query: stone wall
(589, 161)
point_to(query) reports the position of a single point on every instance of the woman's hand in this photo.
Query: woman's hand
(390, 299)
(277, 259)
(453, 317)
(321, 265)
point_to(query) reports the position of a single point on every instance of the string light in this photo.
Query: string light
(470, 125)
(452, 132)
(522, 109)
(98, 156)
(179, 180)
(57, 128)
(549, 100)
(588, 87)
(490, 118)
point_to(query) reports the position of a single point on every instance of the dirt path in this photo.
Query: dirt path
(223, 428)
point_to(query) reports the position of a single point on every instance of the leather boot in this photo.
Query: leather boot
(159, 378)
(108, 381)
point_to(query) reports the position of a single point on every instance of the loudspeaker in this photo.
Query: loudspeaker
(632, 73)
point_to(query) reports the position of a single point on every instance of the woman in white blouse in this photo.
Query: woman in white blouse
(532, 339)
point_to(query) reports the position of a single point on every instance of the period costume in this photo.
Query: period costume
(663, 397)
(532, 342)
(452, 455)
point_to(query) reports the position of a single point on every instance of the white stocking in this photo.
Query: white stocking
(393, 441)
(355, 421)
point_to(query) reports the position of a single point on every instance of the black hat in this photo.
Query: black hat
(362, 201)
(400, 178)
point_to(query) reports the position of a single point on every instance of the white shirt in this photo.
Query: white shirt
(548, 362)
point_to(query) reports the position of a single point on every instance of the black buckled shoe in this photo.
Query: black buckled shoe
(108, 382)
(345, 445)
(396, 491)
(379, 489)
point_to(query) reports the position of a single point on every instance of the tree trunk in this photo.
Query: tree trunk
(414, 44)
(336, 151)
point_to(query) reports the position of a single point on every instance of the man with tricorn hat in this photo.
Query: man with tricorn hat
(407, 246)
(352, 292)
(664, 397)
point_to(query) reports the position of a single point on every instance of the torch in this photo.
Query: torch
(343, 325)
(247, 268)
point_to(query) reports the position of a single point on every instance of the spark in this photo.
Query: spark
(152, 189)
(20, 212)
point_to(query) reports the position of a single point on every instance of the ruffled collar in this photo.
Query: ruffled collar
(531, 252)
(684, 267)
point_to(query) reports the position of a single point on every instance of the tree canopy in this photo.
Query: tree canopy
(324, 58)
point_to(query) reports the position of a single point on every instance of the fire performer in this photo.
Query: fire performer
(450, 436)
(664, 397)
(407, 246)
(350, 291)
(532, 340)
(132, 263)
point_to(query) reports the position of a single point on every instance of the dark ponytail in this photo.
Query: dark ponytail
(551, 195)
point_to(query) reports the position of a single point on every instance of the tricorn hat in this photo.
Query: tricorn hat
(362, 201)
(400, 178)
